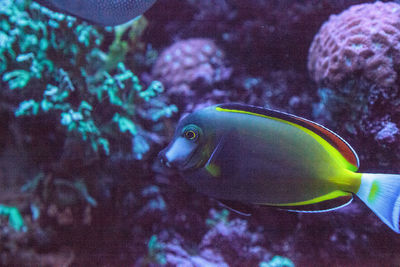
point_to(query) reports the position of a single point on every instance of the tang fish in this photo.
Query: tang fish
(103, 12)
(245, 154)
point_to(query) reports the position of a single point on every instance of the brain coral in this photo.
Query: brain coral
(361, 42)
(191, 62)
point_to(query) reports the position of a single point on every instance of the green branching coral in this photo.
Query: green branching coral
(155, 251)
(217, 217)
(277, 261)
(15, 219)
(54, 65)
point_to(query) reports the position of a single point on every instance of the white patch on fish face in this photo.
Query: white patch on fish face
(180, 152)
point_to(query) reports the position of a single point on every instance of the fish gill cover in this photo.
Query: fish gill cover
(83, 118)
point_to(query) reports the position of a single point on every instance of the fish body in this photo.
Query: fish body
(102, 12)
(252, 155)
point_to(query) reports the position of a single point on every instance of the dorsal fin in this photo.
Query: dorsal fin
(333, 139)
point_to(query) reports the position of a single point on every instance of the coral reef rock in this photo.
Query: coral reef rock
(361, 42)
(189, 64)
(238, 245)
(255, 34)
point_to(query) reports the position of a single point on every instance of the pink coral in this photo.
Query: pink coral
(189, 62)
(236, 243)
(363, 40)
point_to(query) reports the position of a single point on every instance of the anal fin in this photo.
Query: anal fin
(236, 206)
(323, 206)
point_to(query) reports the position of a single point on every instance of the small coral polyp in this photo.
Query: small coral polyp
(361, 42)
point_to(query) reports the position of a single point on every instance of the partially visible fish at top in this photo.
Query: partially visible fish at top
(102, 12)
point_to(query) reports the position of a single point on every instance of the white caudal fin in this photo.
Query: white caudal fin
(381, 193)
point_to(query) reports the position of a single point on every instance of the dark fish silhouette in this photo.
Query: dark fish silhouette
(103, 12)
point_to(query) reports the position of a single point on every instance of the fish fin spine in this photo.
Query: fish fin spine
(237, 207)
(381, 193)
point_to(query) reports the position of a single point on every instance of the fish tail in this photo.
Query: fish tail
(381, 193)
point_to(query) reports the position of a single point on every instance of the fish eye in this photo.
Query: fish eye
(191, 133)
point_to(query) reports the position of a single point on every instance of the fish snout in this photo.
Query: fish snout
(168, 161)
(163, 159)
(178, 153)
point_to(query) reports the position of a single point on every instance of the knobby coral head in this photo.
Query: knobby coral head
(189, 64)
(363, 41)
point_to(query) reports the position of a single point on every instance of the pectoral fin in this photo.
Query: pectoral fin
(224, 154)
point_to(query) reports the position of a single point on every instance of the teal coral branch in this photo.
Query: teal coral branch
(15, 219)
(92, 91)
(17, 78)
(277, 261)
(155, 251)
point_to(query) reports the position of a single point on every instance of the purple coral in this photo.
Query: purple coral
(176, 255)
(191, 63)
(236, 243)
(225, 244)
(363, 40)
